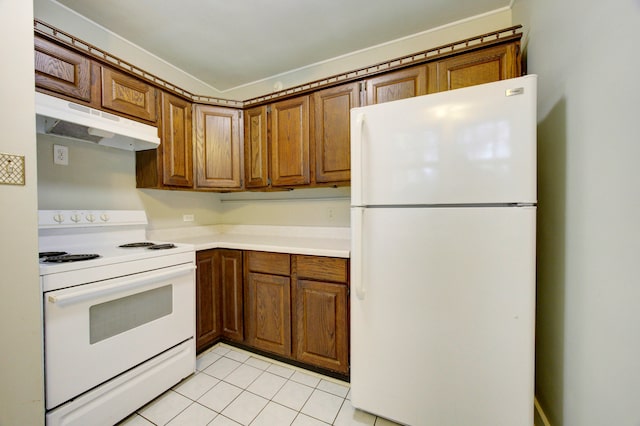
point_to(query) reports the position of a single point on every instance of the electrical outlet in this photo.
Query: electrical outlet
(61, 155)
(330, 213)
(187, 218)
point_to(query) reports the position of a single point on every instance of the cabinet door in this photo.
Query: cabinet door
(290, 142)
(177, 145)
(268, 313)
(256, 169)
(332, 136)
(321, 337)
(128, 95)
(321, 312)
(62, 71)
(395, 85)
(208, 326)
(229, 275)
(218, 161)
(479, 67)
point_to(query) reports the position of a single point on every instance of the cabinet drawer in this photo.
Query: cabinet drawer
(321, 268)
(268, 263)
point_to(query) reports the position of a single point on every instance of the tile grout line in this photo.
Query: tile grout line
(288, 379)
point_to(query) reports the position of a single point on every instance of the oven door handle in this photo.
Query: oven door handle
(80, 295)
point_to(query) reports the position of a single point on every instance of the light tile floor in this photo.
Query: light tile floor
(233, 387)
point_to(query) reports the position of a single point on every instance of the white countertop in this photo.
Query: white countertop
(309, 240)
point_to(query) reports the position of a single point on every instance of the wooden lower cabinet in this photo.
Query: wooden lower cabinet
(208, 328)
(268, 302)
(219, 297)
(293, 306)
(321, 314)
(229, 266)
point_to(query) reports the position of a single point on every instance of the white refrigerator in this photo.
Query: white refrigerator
(443, 223)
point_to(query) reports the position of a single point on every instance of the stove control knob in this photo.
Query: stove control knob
(76, 217)
(58, 218)
(104, 217)
(90, 217)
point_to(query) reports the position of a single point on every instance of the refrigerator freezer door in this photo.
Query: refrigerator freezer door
(442, 319)
(465, 146)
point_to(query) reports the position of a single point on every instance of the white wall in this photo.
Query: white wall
(21, 374)
(588, 341)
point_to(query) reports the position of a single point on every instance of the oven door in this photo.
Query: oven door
(94, 332)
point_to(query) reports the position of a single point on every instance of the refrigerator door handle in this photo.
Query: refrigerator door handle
(357, 277)
(359, 146)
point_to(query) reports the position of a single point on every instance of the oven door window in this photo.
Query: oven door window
(111, 318)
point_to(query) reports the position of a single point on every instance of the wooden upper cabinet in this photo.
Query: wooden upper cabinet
(62, 71)
(176, 145)
(332, 132)
(256, 160)
(128, 95)
(290, 142)
(218, 147)
(478, 67)
(395, 85)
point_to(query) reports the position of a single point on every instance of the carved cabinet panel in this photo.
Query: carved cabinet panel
(62, 71)
(128, 95)
(396, 85)
(268, 302)
(290, 142)
(218, 147)
(321, 313)
(208, 318)
(256, 157)
(332, 137)
(477, 67)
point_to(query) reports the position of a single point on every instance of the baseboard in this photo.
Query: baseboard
(539, 418)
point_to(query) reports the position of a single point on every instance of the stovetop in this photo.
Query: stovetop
(110, 237)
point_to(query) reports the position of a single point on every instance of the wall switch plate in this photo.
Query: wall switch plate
(61, 155)
(11, 169)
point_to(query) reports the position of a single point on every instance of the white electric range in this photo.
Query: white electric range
(119, 314)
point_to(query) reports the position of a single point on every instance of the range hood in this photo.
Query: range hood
(55, 116)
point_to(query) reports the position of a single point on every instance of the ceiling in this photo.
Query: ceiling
(231, 43)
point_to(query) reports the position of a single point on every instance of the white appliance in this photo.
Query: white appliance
(67, 119)
(119, 322)
(443, 256)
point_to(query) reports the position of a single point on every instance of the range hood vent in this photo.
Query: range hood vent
(55, 116)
